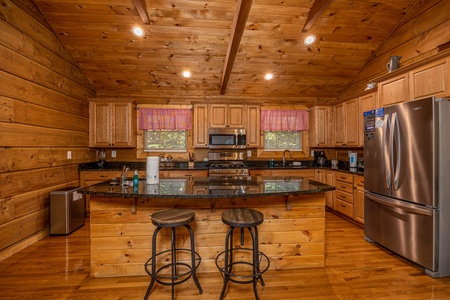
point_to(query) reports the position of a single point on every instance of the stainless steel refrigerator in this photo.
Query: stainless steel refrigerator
(407, 181)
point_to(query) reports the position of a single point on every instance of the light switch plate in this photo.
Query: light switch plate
(113, 153)
(69, 154)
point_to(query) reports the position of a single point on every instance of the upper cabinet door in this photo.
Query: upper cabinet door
(430, 80)
(200, 126)
(320, 129)
(112, 125)
(366, 103)
(253, 125)
(351, 122)
(123, 125)
(393, 90)
(227, 116)
(339, 124)
(100, 134)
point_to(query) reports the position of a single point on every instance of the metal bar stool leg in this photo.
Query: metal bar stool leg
(173, 254)
(228, 260)
(194, 267)
(155, 233)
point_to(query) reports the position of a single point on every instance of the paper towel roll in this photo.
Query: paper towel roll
(152, 172)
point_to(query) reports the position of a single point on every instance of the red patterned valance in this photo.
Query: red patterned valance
(284, 120)
(164, 119)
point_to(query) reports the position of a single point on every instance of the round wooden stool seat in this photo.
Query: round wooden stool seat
(242, 217)
(172, 272)
(246, 269)
(173, 217)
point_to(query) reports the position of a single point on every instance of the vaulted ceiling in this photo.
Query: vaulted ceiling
(228, 46)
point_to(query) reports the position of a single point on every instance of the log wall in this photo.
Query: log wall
(43, 114)
(121, 241)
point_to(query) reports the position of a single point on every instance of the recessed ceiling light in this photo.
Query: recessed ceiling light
(138, 31)
(187, 74)
(268, 76)
(310, 40)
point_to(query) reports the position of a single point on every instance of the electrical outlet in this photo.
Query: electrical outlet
(312, 152)
(69, 154)
(113, 153)
(249, 153)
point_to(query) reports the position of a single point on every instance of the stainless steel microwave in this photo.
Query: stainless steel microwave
(227, 138)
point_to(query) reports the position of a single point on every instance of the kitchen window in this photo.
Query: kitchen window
(165, 129)
(282, 139)
(283, 129)
(165, 140)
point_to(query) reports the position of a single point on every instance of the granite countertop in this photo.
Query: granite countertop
(210, 187)
(252, 165)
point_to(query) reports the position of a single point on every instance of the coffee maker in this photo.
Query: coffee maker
(320, 160)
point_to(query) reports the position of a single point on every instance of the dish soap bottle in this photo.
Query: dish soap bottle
(135, 178)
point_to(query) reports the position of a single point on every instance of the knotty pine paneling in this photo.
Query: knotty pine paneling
(415, 38)
(44, 113)
(121, 241)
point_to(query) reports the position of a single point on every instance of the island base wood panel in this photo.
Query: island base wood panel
(121, 241)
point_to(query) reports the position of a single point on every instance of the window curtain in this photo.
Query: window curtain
(284, 120)
(164, 119)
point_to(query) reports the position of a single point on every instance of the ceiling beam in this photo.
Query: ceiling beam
(316, 11)
(237, 30)
(142, 10)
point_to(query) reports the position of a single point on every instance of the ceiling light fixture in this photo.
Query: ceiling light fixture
(187, 74)
(138, 31)
(310, 40)
(268, 76)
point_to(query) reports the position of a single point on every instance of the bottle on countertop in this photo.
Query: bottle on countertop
(135, 178)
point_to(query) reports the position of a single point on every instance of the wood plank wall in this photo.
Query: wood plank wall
(43, 114)
(417, 37)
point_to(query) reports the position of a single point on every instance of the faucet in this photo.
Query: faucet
(125, 170)
(284, 156)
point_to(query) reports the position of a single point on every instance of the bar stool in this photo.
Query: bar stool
(172, 218)
(242, 218)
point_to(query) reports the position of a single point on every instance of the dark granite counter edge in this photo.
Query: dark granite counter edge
(130, 192)
(183, 166)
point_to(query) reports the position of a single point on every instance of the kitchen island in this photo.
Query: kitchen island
(292, 235)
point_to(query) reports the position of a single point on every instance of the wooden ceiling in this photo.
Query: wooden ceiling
(228, 46)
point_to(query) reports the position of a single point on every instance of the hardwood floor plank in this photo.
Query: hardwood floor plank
(57, 267)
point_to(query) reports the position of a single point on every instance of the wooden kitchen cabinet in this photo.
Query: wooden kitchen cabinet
(307, 173)
(253, 126)
(346, 123)
(327, 177)
(394, 90)
(227, 116)
(112, 125)
(358, 198)
(266, 172)
(88, 178)
(329, 196)
(343, 200)
(366, 103)
(430, 80)
(320, 129)
(200, 126)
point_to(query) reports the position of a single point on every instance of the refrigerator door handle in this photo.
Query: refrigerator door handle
(386, 152)
(396, 163)
(388, 202)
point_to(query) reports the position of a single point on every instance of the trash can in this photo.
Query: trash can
(67, 210)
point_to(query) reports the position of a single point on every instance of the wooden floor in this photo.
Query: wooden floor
(58, 268)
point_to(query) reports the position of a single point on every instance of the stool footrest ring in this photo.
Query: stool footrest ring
(177, 279)
(232, 276)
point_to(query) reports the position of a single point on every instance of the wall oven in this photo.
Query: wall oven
(227, 138)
